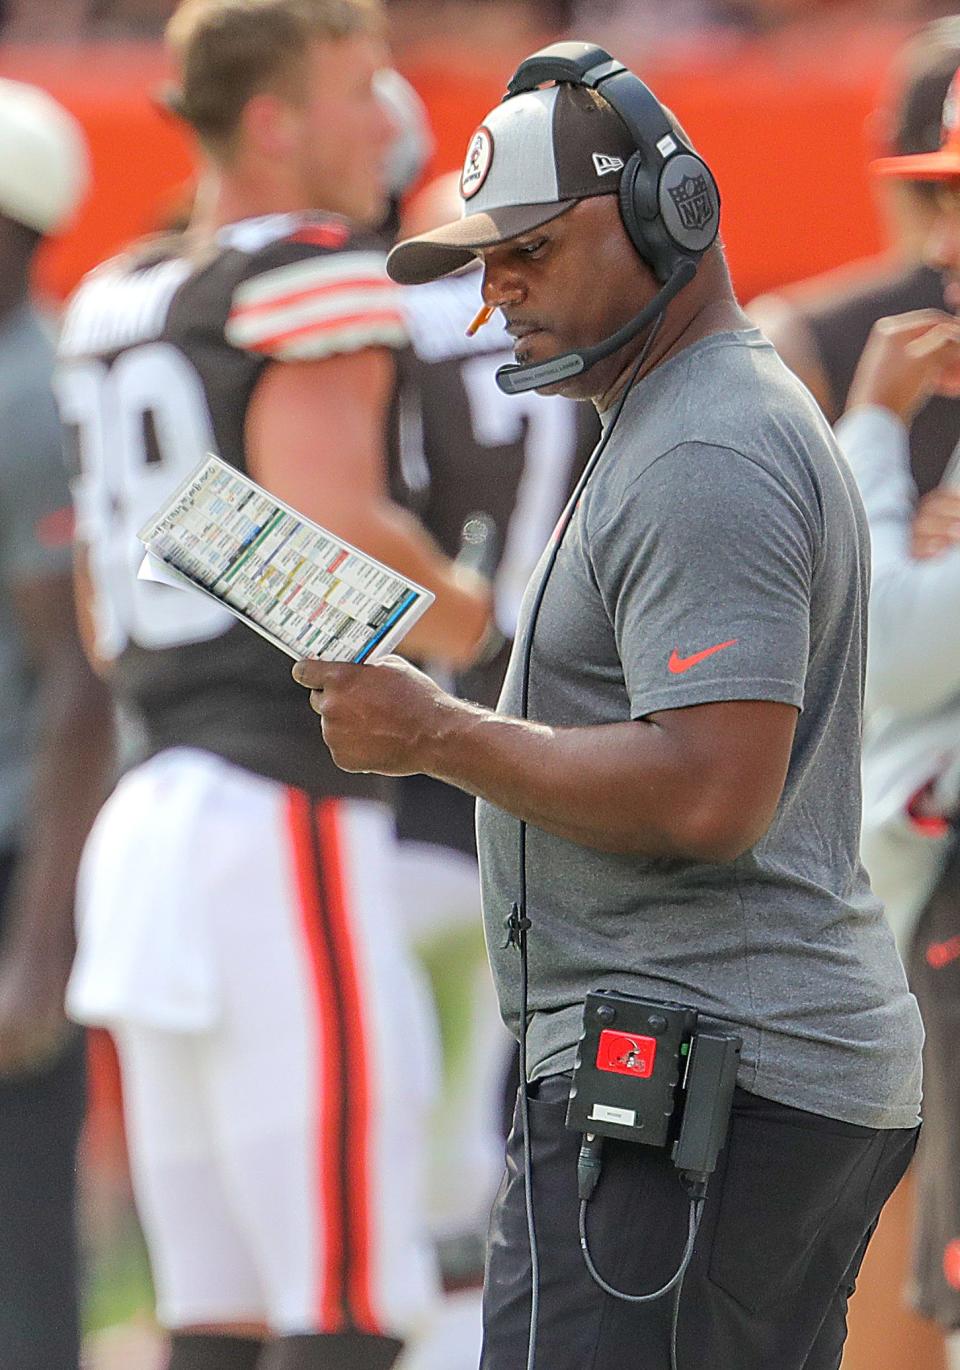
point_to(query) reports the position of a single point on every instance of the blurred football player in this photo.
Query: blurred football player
(238, 932)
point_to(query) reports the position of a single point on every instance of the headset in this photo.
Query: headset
(669, 201)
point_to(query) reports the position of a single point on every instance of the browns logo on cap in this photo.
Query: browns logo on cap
(477, 162)
(531, 159)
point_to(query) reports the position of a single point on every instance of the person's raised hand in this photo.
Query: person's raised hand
(936, 524)
(908, 358)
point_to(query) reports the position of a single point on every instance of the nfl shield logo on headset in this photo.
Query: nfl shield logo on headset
(692, 200)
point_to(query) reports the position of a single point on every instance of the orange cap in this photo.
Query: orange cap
(942, 165)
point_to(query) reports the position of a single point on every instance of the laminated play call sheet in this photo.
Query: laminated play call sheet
(302, 588)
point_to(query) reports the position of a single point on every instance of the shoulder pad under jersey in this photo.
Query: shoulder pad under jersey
(317, 291)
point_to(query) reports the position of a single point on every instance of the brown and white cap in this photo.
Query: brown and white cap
(531, 159)
(943, 165)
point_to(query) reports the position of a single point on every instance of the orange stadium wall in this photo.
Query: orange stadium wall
(786, 131)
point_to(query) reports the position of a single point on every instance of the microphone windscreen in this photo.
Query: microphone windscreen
(479, 544)
(514, 380)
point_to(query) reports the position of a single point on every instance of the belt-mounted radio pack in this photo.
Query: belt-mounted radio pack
(658, 1074)
(661, 1075)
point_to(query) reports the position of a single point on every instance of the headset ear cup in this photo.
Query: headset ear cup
(632, 221)
(642, 221)
(689, 203)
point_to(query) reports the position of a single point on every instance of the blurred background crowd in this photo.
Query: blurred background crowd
(631, 20)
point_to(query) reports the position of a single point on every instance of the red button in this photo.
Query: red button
(624, 1054)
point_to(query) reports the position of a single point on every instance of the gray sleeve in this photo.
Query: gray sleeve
(35, 514)
(913, 662)
(705, 570)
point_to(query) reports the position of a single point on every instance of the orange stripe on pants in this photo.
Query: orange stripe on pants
(331, 1300)
(358, 1121)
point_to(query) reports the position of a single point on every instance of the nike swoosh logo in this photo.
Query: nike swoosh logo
(678, 664)
(940, 954)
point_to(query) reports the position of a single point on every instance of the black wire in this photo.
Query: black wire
(518, 922)
(527, 1152)
(560, 534)
(674, 1325)
(675, 1282)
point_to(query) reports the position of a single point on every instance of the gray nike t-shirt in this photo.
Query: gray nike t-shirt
(720, 552)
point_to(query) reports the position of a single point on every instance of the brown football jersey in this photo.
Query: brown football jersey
(160, 353)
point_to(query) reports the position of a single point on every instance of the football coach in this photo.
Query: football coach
(669, 802)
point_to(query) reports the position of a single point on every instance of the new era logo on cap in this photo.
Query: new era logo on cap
(604, 164)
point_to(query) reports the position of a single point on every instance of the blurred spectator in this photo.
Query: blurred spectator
(71, 21)
(500, 21)
(765, 16)
(636, 22)
(54, 757)
(913, 674)
(127, 18)
(912, 722)
(913, 682)
(820, 327)
(46, 21)
(650, 21)
(913, 685)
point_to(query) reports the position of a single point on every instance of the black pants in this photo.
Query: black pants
(40, 1119)
(788, 1216)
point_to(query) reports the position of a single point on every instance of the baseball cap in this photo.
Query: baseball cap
(531, 159)
(941, 165)
(44, 163)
